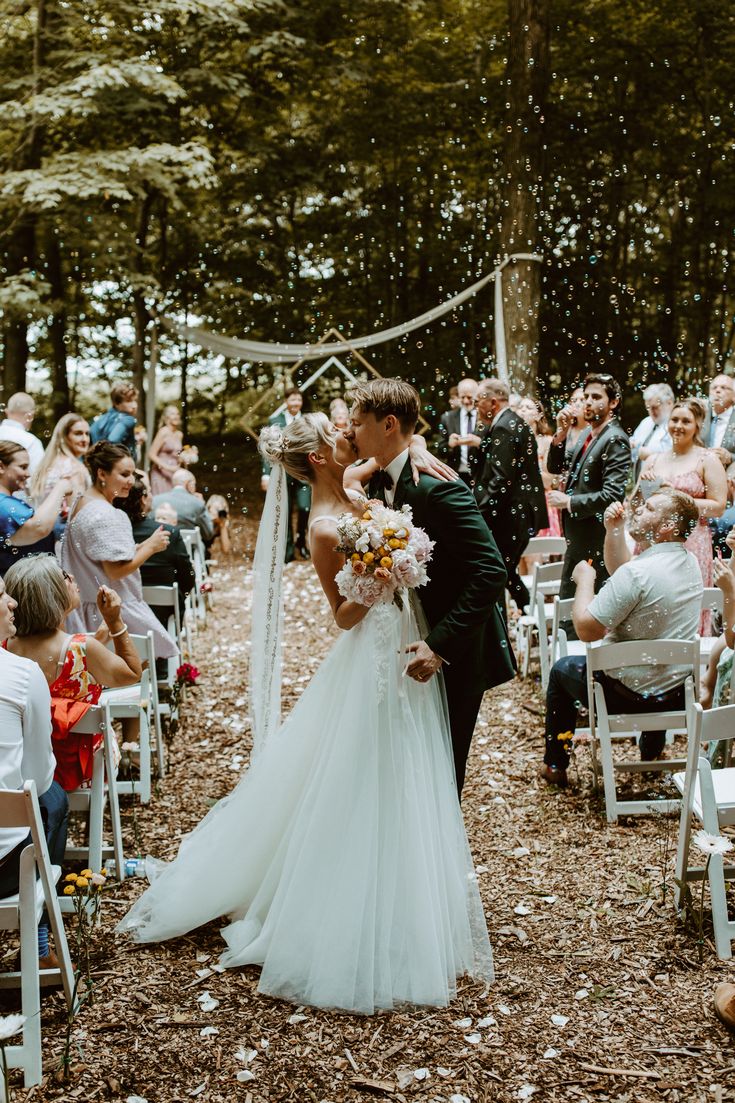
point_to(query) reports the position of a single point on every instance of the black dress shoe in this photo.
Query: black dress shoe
(554, 775)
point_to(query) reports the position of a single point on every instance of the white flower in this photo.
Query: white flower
(10, 1025)
(711, 844)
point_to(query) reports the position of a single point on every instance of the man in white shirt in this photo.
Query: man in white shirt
(19, 414)
(718, 433)
(655, 595)
(459, 431)
(652, 433)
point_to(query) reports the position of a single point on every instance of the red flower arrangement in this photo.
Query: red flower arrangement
(187, 674)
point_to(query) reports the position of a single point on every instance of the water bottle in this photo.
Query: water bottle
(134, 867)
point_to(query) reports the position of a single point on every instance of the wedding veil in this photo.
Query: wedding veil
(267, 607)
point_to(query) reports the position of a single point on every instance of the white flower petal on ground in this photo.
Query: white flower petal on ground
(581, 994)
(520, 852)
(473, 1039)
(208, 1032)
(441, 1071)
(463, 1024)
(521, 909)
(489, 1020)
(421, 1074)
(711, 844)
(136, 1099)
(244, 1075)
(245, 1055)
(504, 1010)
(207, 1002)
(459, 1099)
(297, 1019)
(526, 1091)
(551, 1052)
(10, 1025)
(559, 1020)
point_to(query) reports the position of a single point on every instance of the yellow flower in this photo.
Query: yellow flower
(103, 872)
(386, 561)
(368, 557)
(82, 882)
(69, 890)
(71, 877)
(389, 532)
(367, 515)
(355, 556)
(86, 873)
(395, 544)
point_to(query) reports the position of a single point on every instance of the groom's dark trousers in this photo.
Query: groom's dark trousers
(467, 580)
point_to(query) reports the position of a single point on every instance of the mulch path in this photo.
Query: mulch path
(599, 992)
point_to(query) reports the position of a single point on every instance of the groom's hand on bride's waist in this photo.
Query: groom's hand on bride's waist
(424, 663)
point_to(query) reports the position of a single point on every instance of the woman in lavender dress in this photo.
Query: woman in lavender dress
(98, 547)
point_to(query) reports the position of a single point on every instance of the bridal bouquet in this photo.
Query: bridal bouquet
(386, 553)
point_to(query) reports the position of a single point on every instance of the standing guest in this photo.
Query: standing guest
(118, 424)
(697, 471)
(99, 545)
(19, 414)
(453, 398)
(219, 510)
(718, 434)
(26, 755)
(508, 489)
(577, 425)
(172, 563)
(533, 414)
(76, 667)
(23, 531)
(457, 427)
(339, 413)
(190, 509)
(165, 451)
(656, 595)
(63, 458)
(597, 475)
(299, 494)
(652, 433)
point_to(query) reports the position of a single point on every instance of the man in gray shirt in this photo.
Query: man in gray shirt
(190, 508)
(655, 595)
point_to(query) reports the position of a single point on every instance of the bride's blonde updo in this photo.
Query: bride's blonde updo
(291, 446)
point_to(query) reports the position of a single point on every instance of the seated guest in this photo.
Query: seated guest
(24, 531)
(172, 563)
(118, 424)
(715, 685)
(219, 511)
(99, 545)
(26, 755)
(189, 505)
(165, 514)
(656, 595)
(76, 667)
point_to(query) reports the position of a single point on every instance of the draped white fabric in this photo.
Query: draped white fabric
(276, 353)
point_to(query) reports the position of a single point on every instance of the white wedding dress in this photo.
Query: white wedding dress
(341, 857)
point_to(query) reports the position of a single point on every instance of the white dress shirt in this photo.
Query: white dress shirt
(394, 469)
(466, 426)
(652, 435)
(13, 430)
(718, 427)
(25, 734)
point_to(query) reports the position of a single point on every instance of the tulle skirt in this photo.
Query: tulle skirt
(341, 857)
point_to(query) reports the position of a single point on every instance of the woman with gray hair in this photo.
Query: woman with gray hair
(77, 667)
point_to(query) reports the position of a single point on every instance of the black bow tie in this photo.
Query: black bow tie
(383, 481)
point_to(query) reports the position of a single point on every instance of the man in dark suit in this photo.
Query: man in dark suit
(457, 429)
(467, 637)
(299, 494)
(598, 472)
(718, 434)
(508, 486)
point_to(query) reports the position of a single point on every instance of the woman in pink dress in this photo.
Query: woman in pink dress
(533, 413)
(165, 451)
(690, 467)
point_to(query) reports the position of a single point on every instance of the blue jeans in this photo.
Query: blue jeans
(567, 690)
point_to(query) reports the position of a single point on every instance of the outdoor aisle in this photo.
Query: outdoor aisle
(575, 918)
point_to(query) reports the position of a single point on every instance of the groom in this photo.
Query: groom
(467, 637)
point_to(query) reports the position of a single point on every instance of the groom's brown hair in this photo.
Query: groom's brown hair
(388, 396)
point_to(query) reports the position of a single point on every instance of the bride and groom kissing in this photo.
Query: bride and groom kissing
(341, 858)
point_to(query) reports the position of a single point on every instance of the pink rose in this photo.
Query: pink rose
(383, 574)
(358, 567)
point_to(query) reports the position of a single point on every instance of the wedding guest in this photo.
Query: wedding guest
(165, 451)
(698, 472)
(23, 530)
(508, 487)
(533, 414)
(652, 433)
(172, 563)
(299, 494)
(99, 545)
(219, 511)
(26, 755)
(165, 514)
(63, 458)
(189, 505)
(76, 667)
(577, 424)
(19, 414)
(718, 433)
(453, 398)
(118, 424)
(654, 595)
(596, 475)
(456, 427)
(339, 413)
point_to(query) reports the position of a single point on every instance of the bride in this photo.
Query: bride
(341, 857)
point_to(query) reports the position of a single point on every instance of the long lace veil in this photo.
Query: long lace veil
(267, 612)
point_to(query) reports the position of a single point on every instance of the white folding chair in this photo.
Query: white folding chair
(167, 597)
(545, 547)
(545, 581)
(140, 702)
(195, 546)
(713, 599)
(560, 645)
(22, 912)
(92, 800)
(709, 796)
(607, 729)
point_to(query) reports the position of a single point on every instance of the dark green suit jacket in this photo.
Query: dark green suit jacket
(467, 579)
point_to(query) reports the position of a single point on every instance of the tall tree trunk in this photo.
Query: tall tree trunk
(57, 330)
(526, 86)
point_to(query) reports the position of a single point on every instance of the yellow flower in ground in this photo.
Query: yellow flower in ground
(386, 561)
(71, 877)
(69, 890)
(82, 882)
(368, 557)
(86, 873)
